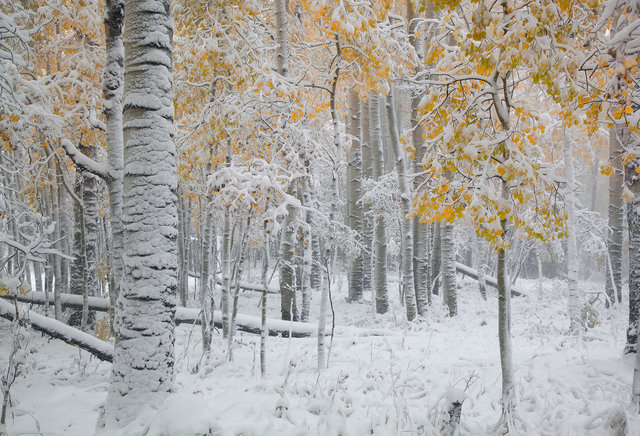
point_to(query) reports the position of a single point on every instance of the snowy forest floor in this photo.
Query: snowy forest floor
(395, 384)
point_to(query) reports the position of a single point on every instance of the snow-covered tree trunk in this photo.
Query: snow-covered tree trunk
(226, 268)
(419, 229)
(263, 306)
(307, 255)
(632, 183)
(633, 218)
(504, 337)
(206, 278)
(316, 268)
(614, 243)
(366, 174)
(354, 209)
(574, 299)
(288, 304)
(405, 201)
(449, 285)
(237, 274)
(112, 109)
(143, 362)
(479, 265)
(77, 282)
(183, 249)
(380, 235)
(56, 261)
(91, 228)
(436, 257)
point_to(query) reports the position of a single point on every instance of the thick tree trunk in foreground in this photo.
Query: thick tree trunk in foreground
(143, 364)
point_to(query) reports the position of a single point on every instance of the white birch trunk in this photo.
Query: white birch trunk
(143, 361)
(380, 237)
(449, 286)
(112, 108)
(354, 209)
(479, 266)
(574, 299)
(405, 200)
(366, 223)
(419, 229)
(504, 337)
(614, 244)
(263, 307)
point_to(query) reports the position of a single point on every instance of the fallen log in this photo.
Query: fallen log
(59, 330)
(246, 286)
(490, 281)
(185, 315)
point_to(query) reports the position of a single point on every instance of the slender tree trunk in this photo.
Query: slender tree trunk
(206, 280)
(574, 297)
(112, 108)
(226, 271)
(365, 175)
(380, 236)
(504, 336)
(263, 305)
(354, 214)
(613, 288)
(145, 313)
(182, 291)
(307, 255)
(436, 258)
(479, 266)
(449, 286)
(288, 304)
(237, 274)
(77, 280)
(405, 201)
(419, 229)
(91, 228)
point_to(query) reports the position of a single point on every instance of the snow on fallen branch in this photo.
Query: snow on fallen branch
(184, 315)
(59, 330)
(490, 281)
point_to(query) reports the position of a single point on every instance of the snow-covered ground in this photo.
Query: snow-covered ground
(391, 384)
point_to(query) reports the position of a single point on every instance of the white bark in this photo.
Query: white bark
(112, 107)
(479, 266)
(143, 364)
(614, 243)
(379, 276)
(366, 223)
(449, 286)
(405, 201)
(354, 209)
(574, 297)
(419, 229)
